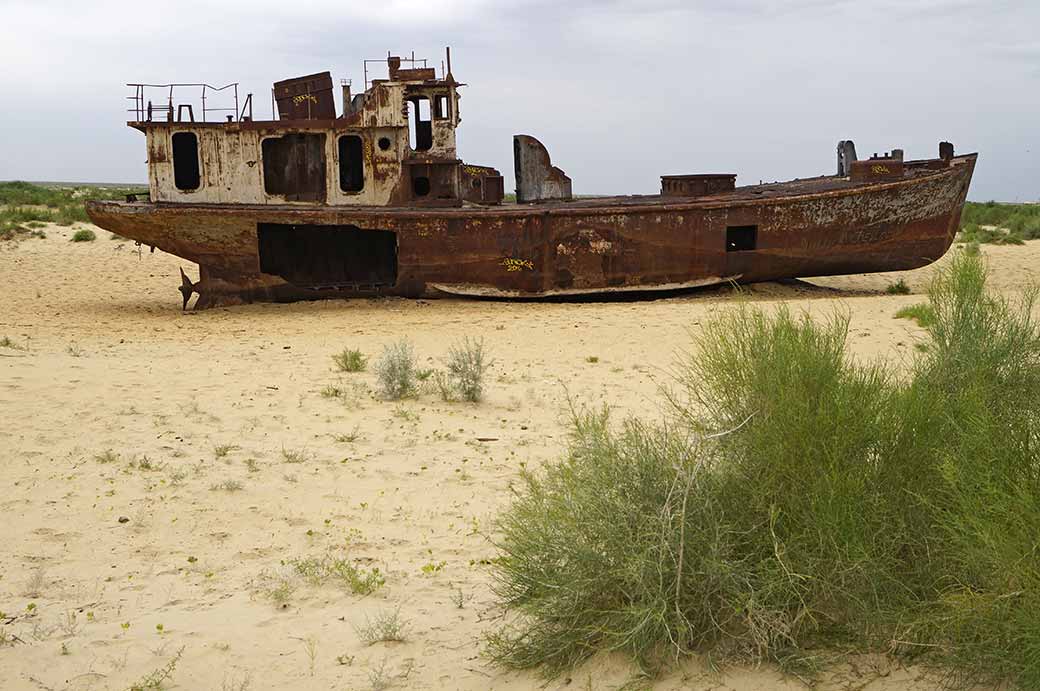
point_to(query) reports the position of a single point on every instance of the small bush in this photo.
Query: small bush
(295, 456)
(84, 235)
(922, 313)
(6, 342)
(331, 391)
(385, 626)
(359, 581)
(396, 371)
(466, 365)
(1031, 228)
(350, 361)
(108, 456)
(898, 288)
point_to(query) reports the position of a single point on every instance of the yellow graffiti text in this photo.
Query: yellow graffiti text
(518, 264)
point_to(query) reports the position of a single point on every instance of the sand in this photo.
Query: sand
(179, 538)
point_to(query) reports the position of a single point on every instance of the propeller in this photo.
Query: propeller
(187, 288)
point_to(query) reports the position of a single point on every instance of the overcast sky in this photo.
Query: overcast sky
(620, 92)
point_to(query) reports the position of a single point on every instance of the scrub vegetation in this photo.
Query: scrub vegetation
(797, 504)
(465, 367)
(24, 206)
(350, 360)
(999, 224)
(396, 371)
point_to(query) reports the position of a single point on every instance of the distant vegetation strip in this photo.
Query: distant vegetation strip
(1000, 224)
(24, 206)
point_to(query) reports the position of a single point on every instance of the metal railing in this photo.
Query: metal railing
(386, 61)
(145, 110)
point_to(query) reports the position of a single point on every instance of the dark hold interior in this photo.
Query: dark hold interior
(741, 238)
(311, 256)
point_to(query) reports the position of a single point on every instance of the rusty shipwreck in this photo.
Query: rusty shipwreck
(374, 200)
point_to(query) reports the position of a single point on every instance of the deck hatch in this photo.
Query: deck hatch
(741, 238)
(333, 256)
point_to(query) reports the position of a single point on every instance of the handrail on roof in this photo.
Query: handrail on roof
(144, 109)
(413, 60)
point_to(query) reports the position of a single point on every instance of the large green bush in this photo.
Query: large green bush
(798, 500)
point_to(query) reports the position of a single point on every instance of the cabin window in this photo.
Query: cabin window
(186, 161)
(294, 166)
(420, 131)
(741, 238)
(333, 256)
(384, 143)
(440, 107)
(421, 186)
(351, 163)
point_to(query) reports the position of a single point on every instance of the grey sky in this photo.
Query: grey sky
(620, 92)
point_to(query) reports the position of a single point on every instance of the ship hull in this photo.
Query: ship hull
(817, 227)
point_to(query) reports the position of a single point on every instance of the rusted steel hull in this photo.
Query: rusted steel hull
(822, 226)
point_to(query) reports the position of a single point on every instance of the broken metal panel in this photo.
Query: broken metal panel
(536, 177)
(846, 157)
(305, 98)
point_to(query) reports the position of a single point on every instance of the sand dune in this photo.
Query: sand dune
(162, 469)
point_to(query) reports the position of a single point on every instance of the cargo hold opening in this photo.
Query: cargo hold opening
(334, 256)
(741, 238)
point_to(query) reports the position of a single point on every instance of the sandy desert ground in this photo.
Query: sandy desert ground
(161, 470)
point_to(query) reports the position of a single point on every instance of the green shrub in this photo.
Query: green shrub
(922, 313)
(84, 235)
(350, 360)
(339, 570)
(1031, 228)
(396, 371)
(898, 288)
(797, 501)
